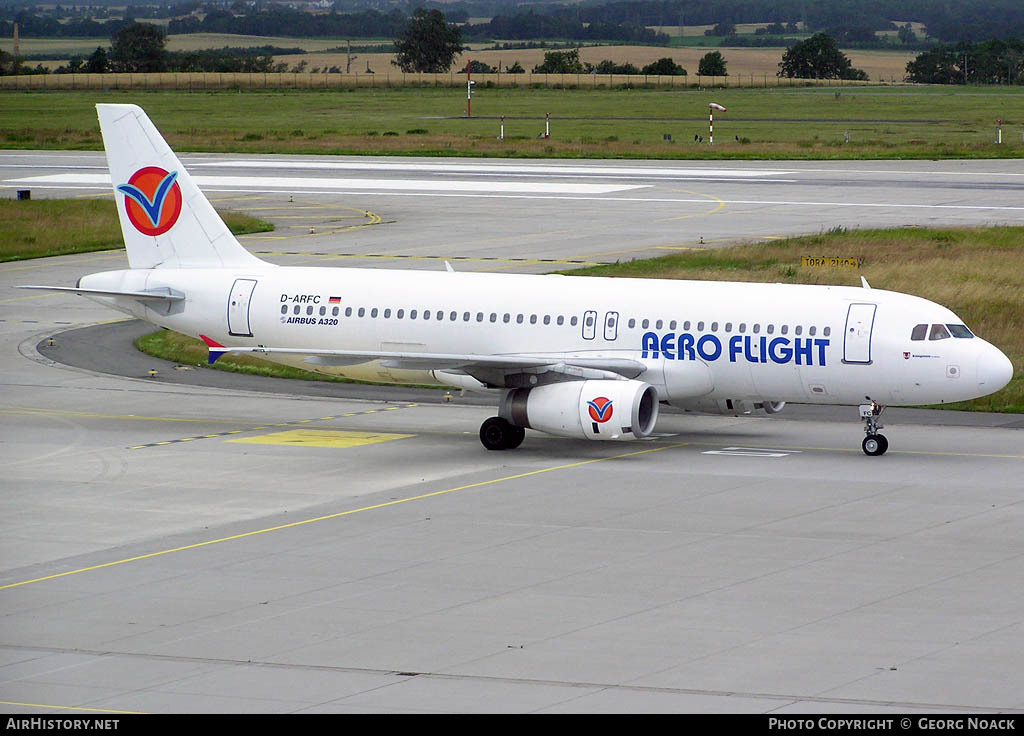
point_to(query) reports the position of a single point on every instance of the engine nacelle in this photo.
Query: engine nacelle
(593, 410)
(730, 407)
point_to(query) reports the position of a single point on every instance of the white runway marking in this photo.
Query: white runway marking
(423, 185)
(56, 183)
(536, 169)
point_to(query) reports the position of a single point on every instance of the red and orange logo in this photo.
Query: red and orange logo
(152, 200)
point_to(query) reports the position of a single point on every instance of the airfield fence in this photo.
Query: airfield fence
(309, 80)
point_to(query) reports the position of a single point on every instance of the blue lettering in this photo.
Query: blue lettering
(714, 342)
(803, 350)
(822, 344)
(734, 347)
(649, 344)
(668, 346)
(685, 345)
(751, 358)
(763, 351)
(779, 350)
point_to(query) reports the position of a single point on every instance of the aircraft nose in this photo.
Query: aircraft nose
(994, 369)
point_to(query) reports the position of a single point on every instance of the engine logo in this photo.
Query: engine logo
(600, 409)
(152, 200)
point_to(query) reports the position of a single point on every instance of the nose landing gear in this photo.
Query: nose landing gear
(874, 444)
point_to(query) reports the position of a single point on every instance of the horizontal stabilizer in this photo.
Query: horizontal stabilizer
(162, 294)
(216, 349)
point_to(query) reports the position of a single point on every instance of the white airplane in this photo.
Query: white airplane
(575, 357)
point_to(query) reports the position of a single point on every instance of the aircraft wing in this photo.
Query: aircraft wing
(489, 369)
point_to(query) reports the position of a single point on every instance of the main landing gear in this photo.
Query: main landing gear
(500, 434)
(874, 443)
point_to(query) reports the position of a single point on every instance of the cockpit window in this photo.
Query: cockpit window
(919, 332)
(939, 332)
(960, 331)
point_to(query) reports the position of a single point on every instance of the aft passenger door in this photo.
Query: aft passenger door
(238, 307)
(860, 322)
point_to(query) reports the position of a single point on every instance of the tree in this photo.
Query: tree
(664, 67)
(560, 62)
(97, 63)
(428, 43)
(817, 57)
(712, 64)
(138, 47)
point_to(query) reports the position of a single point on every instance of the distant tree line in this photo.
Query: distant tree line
(278, 20)
(531, 25)
(987, 62)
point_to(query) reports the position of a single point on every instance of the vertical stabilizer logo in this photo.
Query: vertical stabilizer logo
(600, 409)
(152, 200)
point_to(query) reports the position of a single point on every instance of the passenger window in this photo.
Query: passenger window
(412, 314)
(362, 311)
(334, 312)
(454, 316)
(658, 324)
(939, 332)
(400, 314)
(672, 325)
(785, 329)
(714, 327)
(373, 312)
(479, 316)
(440, 316)
(798, 330)
(309, 310)
(771, 329)
(547, 319)
(494, 316)
(757, 328)
(960, 331)
(811, 331)
(686, 325)
(284, 309)
(465, 316)
(505, 318)
(827, 331)
(728, 326)
(700, 326)
(426, 314)
(573, 321)
(645, 324)
(519, 319)
(348, 311)
(632, 322)
(743, 327)
(387, 314)
(560, 320)
(533, 319)
(323, 311)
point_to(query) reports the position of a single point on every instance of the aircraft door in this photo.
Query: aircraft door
(238, 307)
(589, 324)
(611, 326)
(860, 321)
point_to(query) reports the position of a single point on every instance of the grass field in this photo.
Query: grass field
(882, 122)
(55, 227)
(742, 61)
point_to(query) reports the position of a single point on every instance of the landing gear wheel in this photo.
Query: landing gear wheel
(498, 434)
(875, 444)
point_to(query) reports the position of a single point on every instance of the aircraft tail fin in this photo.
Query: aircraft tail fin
(165, 220)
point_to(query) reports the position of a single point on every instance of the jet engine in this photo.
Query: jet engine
(593, 410)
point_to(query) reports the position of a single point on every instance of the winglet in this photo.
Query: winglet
(864, 283)
(216, 349)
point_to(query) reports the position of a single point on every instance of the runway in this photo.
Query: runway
(177, 544)
(540, 215)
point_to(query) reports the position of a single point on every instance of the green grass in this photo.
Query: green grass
(184, 350)
(56, 227)
(976, 272)
(773, 123)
